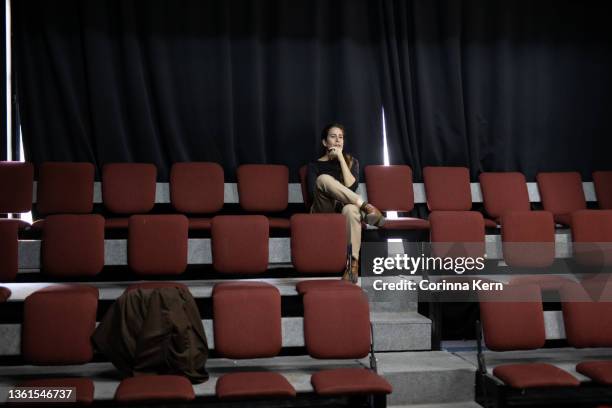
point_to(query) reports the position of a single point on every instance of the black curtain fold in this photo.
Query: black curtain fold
(164, 81)
(497, 85)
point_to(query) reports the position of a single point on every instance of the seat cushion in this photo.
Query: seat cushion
(197, 187)
(318, 243)
(117, 223)
(155, 388)
(157, 244)
(534, 375)
(65, 188)
(9, 250)
(253, 385)
(200, 224)
(84, 387)
(308, 285)
(155, 285)
(16, 187)
(598, 371)
(5, 293)
(545, 282)
(279, 223)
(247, 320)
(73, 245)
(407, 223)
(129, 188)
(58, 322)
(343, 381)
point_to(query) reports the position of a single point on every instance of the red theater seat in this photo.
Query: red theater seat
(317, 284)
(347, 381)
(16, 180)
(303, 173)
(561, 194)
(513, 319)
(457, 233)
(154, 388)
(598, 371)
(73, 245)
(592, 237)
(504, 192)
(128, 188)
(587, 320)
(337, 326)
(318, 243)
(84, 387)
(240, 244)
(58, 322)
(9, 250)
(528, 238)
(248, 385)
(65, 188)
(157, 244)
(5, 293)
(603, 188)
(247, 324)
(534, 375)
(264, 188)
(447, 188)
(389, 188)
(197, 188)
(155, 285)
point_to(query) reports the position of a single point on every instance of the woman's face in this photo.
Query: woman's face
(335, 138)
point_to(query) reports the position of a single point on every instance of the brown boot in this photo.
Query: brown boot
(354, 274)
(373, 215)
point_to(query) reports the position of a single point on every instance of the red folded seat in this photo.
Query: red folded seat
(197, 188)
(389, 188)
(513, 319)
(73, 245)
(337, 326)
(264, 188)
(158, 244)
(58, 322)
(592, 237)
(603, 188)
(128, 188)
(561, 194)
(16, 180)
(64, 188)
(9, 250)
(319, 246)
(504, 192)
(240, 244)
(247, 324)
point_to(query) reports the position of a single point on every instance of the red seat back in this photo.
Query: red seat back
(197, 188)
(603, 188)
(16, 181)
(390, 187)
(65, 188)
(561, 192)
(240, 244)
(504, 192)
(263, 187)
(528, 238)
(129, 188)
(318, 243)
(447, 188)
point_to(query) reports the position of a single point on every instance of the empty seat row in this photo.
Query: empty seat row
(59, 321)
(513, 319)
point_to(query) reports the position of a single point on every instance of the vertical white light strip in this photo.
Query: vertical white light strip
(9, 91)
(390, 214)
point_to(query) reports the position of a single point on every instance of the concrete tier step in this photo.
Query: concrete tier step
(430, 377)
(466, 404)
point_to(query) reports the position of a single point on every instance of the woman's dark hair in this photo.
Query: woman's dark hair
(347, 157)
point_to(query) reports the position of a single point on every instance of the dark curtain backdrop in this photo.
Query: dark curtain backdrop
(164, 81)
(498, 85)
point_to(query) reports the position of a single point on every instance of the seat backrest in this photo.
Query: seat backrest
(16, 180)
(58, 322)
(303, 173)
(263, 187)
(528, 238)
(561, 192)
(336, 323)
(390, 187)
(318, 243)
(129, 188)
(503, 192)
(247, 320)
(447, 188)
(592, 237)
(513, 319)
(65, 188)
(9, 250)
(586, 316)
(603, 188)
(457, 233)
(197, 188)
(240, 244)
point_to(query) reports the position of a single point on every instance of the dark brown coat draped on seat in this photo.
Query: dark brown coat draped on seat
(155, 331)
